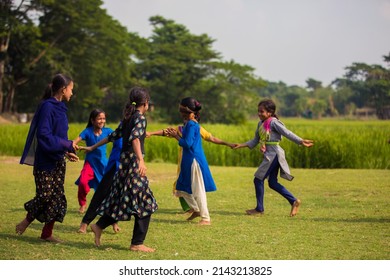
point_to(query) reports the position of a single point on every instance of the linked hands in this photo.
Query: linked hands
(86, 149)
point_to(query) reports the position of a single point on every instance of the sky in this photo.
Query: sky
(283, 40)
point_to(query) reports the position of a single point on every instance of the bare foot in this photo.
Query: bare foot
(98, 233)
(141, 248)
(295, 207)
(116, 228)
(204, 223)
(253, 212)
(189, 211)
(83, 228)
(82, 209)
(193, 216)
(52, 239)
(22, 226)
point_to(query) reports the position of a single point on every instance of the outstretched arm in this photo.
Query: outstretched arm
(95, 146)
(218, 141)
(162, 132)
(238, 146)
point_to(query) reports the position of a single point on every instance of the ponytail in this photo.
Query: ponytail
(59, 82)
(48, 92)
(138, 96)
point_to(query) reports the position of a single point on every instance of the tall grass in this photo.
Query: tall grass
(338, 144)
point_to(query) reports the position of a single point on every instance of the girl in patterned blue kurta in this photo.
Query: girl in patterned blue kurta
(195, 177)
(130, 194)
(96, 161)
(269, 133)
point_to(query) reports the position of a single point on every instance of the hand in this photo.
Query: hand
(142, 168)
(148, 134)
(307, 143)
(171, 132)
(86, 149)
(231, 145)
(75, 147)
(71, 156)
(237, 146)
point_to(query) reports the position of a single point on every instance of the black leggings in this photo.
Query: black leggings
(102, 191)
(140, 229)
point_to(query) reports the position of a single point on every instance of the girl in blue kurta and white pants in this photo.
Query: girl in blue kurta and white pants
(195, 177)
(269, 133)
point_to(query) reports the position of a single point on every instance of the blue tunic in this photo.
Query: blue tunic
(47, 140)
(191, 142)
(98, 157)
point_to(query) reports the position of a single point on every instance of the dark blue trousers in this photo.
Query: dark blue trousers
(273, 183)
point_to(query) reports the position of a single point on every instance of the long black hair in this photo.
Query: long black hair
(93, 115)
(59, 81)
(190, 105)
(138, 96)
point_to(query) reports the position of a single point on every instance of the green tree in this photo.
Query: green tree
(174, 64)
(370, 84)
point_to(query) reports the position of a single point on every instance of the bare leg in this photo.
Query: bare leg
(98, 234)
(22, 226)
(295, 207)
(141, 248)
(116, 228)
(82, 209)
(83, 228)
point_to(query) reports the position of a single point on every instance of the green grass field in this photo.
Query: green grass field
(345, 215)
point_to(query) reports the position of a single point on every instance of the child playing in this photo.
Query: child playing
(96, 161)
(103, 189)
(269, 133)
(207, 136)
(130, 194)
(195, 177)
(46, 147)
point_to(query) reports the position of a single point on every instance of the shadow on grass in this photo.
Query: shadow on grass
(65, 243)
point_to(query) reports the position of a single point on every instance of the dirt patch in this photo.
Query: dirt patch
(8, 159)
(4, 120)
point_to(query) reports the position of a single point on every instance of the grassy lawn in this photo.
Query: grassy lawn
(345, 215)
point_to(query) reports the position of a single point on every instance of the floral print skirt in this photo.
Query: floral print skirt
(49, 203)
(130, 193)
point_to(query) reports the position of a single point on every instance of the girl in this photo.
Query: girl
(269, 133)
(46, 145)
(207, 136)
(130, 194)
(195, 177)
(103, 189)
(96, 161)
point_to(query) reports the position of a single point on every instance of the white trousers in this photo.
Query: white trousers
(197, 200)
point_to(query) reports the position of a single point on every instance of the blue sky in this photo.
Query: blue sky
(284, 40)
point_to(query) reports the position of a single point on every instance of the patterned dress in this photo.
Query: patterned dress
(130, 193)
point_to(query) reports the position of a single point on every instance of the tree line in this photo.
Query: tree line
(39, 38)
